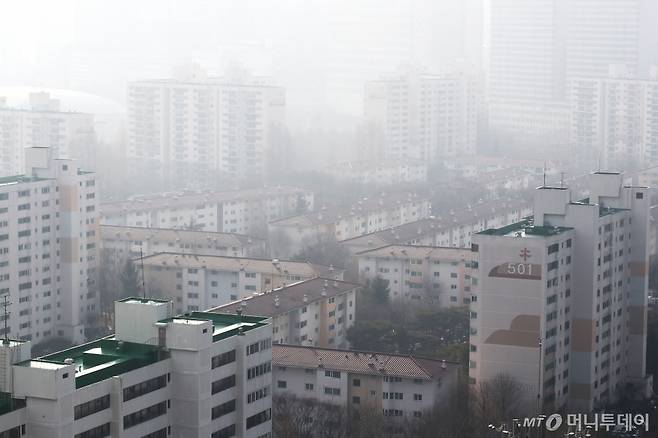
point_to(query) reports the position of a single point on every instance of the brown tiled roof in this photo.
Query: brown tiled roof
(121, 233)
(289, 297)
(361, 362)
(249, 264)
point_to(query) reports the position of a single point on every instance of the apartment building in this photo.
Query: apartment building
(315, 312)
(422, 116)
(49, 242)
(615, 119)
(202, 130)
(119, 243)
(158, 376)
(235, 211)
(560, 299)
(405, 387)
(197, 282)
(379, 173)
(44, 124)
(420, 274)
(366, 216)
(451, 228)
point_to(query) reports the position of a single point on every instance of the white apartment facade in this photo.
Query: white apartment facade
(202, 130)
(366, 216)
(236, 211)
(403, 387)
(195, 282)
(423, 117)
(420, 274)
(615, 119)
(49, 242)
(43, 124)
(119, 244)
(575, 278)
(158, 376)
(316, 312)
(451, 228)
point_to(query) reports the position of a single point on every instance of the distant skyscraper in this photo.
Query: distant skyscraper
(194, 130)
(422, 116)
(538, 45)
(43, 124)
(370, 39)
(614, 120)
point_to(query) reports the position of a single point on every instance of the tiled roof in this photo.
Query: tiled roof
(121, 233)
(227, 263)
(360, 362)
(419, 252)
(284, 299)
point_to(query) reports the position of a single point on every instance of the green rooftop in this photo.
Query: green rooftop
(101, 359)
(225, 325)
(525, 228)
(18, 179)
(107, 357)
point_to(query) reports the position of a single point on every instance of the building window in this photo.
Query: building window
(91, 407)
(282, 384)
(223, 384)
(162, 433)
(223, 409)
(226, 432)
(144, 415)
(259, 418)
(356, 382)
(356, 400)
(145, 387)
(309, 386)
(97, 432)
(223, 359)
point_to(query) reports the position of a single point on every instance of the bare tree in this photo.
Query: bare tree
(496, 400)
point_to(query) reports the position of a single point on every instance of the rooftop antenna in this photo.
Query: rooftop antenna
(141, 258)
(544, 174)
(5, 304)
(561, 180)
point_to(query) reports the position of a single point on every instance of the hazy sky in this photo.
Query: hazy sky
(98, 45)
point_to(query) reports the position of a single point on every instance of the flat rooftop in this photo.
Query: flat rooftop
(525, 228)
(107, 357)
(225, 325)
(101, 359)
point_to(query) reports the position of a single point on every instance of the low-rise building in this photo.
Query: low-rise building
(379, 173)
(120, 243)
(235, 211)
(395, 385)
(423, 274)
(196, 282)
(314, 312)
(452, 228)
(158, 376)
(367, 216)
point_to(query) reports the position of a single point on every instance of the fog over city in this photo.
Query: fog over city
(328, 218)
